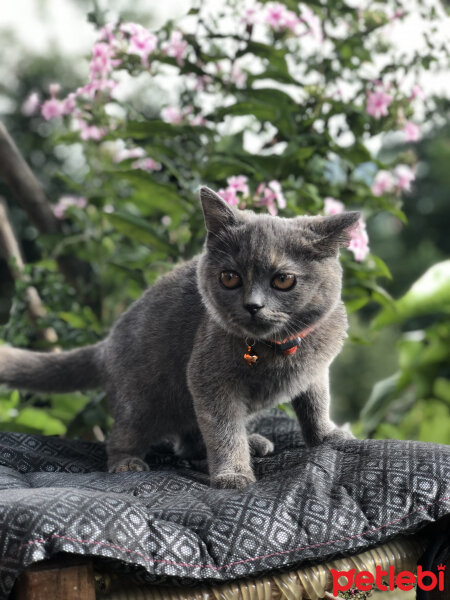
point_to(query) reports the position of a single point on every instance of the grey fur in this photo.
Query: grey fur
(173, 363)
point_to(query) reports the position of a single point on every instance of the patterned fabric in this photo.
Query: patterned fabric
(308, 505)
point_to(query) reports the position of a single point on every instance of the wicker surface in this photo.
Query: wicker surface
(306, 583)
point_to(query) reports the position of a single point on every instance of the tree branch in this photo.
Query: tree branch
(31, 197)
(28, 191)
(9, 248)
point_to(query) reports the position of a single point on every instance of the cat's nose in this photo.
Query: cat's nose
(253, 308)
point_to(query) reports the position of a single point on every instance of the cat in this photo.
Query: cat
(253, 321)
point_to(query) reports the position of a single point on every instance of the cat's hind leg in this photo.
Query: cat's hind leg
(126, 450)
(259, 445)
(130, 439)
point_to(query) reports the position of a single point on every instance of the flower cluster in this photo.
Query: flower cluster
(399, 181)
(237, 193)
(236, 185)
(176, 47)
(411, 131)
(378, 103)
(279, 18)
(141, 41)
(270, 195)
(359, 239)
(113, 42)
(176, 116)
(59, 209)
(143, 162)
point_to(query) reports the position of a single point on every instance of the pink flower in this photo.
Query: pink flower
(52, 109)
(229, 195)
(146, 164)
(172, 114)
(411, 131)
(201, 82)
(274, 15)
(54, 89)
(238, 183)
(405, 176)
(125, 154)
(333, 206)
(383, 183)
(378, 103)
(359, 241)
(417, 92)
(59, 209)
(106, 33)
(278, 17)
(251, 15)
(275, 186)
(197, 120)
(142, 42)
(31, 104)
(312, 21)
(90, 132)
(176, 47)
(69, 104)
(270, 195)
(101, 63)
(238, 76)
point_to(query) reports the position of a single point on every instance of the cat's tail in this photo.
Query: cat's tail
(68, 371)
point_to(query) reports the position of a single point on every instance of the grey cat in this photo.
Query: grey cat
(173, 365)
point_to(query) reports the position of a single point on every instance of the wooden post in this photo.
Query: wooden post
(53, 580)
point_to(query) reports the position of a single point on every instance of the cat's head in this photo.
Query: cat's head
(268, 277)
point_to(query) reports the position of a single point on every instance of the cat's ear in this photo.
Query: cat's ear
(218, 213)
(333, 231)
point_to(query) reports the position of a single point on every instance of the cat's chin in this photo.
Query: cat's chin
(259, 330)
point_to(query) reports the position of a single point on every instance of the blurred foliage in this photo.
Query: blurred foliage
(264, 104)
(414, 403)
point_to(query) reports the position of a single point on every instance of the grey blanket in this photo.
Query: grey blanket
(308, 505)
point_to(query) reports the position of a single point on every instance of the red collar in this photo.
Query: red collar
(289, 345)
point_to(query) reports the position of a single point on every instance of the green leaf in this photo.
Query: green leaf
(276, 58)
(154, 128)
(356, 304)
(382, 394)
(151, 196)
(37, 420)
(442, 389)
(138, 229)
(74, 320)
(429, 295)
(382, 268)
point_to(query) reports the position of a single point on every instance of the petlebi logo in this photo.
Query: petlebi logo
(387, 580)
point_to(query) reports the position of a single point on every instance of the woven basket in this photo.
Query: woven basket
(309, 583)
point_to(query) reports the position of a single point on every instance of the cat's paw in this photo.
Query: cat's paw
(339, 435)
(259, 445)
(129, 464)
(232, 481)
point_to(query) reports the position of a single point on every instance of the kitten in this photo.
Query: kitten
(173, 365)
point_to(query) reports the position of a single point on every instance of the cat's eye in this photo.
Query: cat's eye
(283, 281)
(230, 279)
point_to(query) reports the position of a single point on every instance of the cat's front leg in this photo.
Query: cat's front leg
(312, 409)
(222, 423)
